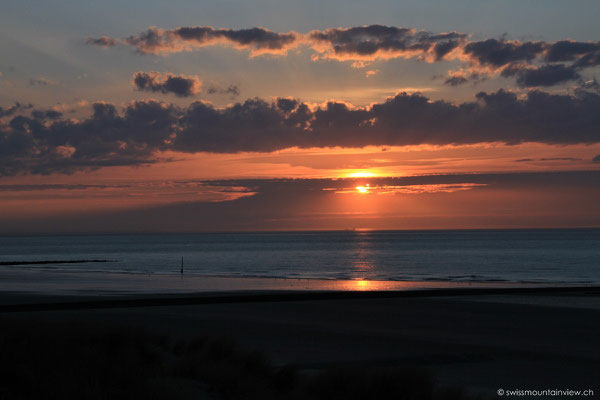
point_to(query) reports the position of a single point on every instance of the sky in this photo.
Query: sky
(148, 116)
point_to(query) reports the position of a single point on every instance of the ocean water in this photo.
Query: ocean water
(549, 256)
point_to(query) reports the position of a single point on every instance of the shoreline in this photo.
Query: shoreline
(15, 302)
(77, 283)
(292, 231)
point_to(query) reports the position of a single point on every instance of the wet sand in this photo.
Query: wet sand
(77, 283)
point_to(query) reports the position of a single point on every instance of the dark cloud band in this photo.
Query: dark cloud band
(43, 144)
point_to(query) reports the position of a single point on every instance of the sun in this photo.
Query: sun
(363, 189)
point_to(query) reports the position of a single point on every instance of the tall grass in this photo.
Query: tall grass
(78, 361)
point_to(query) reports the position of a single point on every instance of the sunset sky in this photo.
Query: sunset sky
(279, 115)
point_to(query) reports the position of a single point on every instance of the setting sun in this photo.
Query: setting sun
(363, 189)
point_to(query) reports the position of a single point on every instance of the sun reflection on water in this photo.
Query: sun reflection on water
(362, 284)
(362, 263)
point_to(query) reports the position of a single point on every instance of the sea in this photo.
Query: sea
(538, 256)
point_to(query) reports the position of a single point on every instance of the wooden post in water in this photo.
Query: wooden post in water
(181, 265)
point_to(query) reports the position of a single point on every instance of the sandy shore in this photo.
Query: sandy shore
(482, 340)
(78, 283)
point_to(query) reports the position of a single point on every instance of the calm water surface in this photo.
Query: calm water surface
(557, 256)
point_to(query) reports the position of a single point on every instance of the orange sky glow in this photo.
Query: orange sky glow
(292, 125)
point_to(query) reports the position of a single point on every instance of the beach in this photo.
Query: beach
(299, 200)
(478, 339)
(300, 315)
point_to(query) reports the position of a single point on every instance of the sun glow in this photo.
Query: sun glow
(360, 174)
(363, 189)
(362, 284)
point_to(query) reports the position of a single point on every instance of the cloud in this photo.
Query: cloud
(456, 80)
(46, 114)
(481, 180)
(589, 60)
(179, 85)
(286, 104)
(382, 42)
(569, 50)
(38, 146)
(549, 159)
(590, 85)
(54, 186)
(41, 81)
(7, 112)
(144, 128)
(103, 41)
(462, 76)
(257, 40)
(532, 63)
(560, 159)
(355, 43)
(232, 90)
(498, 52)
(546, 75)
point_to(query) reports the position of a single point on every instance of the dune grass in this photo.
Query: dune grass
(42, 360)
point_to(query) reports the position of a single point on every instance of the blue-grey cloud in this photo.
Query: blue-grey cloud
(257, 40)
(378, 41)
(569, 50)
(7, 112)
(456, 80)
(41, 81)
(46, 114)
(531, 63)
(179, 85)
(103, 41)
(231, 90)
(540, 63)
(546, 75)
(499, 52)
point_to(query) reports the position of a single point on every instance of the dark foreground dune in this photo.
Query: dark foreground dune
(356, 346)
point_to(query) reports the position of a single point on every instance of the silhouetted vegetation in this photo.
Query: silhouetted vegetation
(77, 361)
